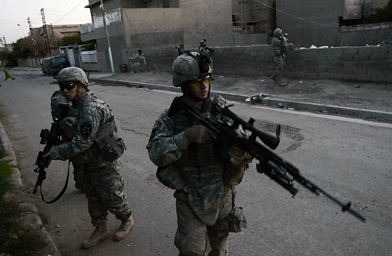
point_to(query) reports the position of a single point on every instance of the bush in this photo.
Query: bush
(15, 240)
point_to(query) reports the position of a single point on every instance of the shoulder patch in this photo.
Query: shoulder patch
(85, 129)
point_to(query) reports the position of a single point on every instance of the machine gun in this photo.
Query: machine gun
(269, 163)
(49, 138)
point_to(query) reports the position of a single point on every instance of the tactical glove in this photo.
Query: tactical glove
(199, 134)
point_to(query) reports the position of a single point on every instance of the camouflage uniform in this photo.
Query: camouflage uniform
(103, 184)
(196, 171)
(56, 100)
(279, 46)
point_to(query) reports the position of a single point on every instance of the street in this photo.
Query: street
(349, 158)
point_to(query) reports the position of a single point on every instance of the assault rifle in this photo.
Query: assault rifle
(49, 138)
(269, 163)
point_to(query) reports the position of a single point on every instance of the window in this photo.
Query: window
(244, 7)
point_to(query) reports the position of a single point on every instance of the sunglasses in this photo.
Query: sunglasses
(197, 82)
(68, 86)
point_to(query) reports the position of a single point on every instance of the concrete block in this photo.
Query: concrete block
(333, 63)
(333, 70)
(379, 65)
(364, 64)
(349, 64)
(360, 71)
(378, 57)
(379, 77)
(365, 50)
(312, 76)
(380, 50)
(348, 57)
(363, 77)
(348, 77)
(346, 71)
(323, 52)
(336, 51)
(310, 69)
(360, 57)
(350, 51)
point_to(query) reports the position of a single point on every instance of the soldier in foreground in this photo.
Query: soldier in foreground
(97, 145)
(191, 161)
(68, 130)
(279, 47)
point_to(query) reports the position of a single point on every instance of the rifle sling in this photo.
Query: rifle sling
(62, 191)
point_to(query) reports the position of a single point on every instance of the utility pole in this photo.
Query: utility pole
(107, 37)
(4, 43)
(36, 51)
(45, 31)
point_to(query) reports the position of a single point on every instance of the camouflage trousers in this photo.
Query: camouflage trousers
(104, 188)
(78, 175)
(280, 64)
(192, 233)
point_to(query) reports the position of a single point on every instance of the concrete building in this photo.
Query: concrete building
(136, 25)
(331, 22)
(253, 16)
(48, 38)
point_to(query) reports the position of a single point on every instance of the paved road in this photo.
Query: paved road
(348, 157)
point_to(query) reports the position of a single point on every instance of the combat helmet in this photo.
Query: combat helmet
(189, 66)
(278, 32)
(73, 74)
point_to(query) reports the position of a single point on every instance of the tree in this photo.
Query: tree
(70, 40)
(383, 14)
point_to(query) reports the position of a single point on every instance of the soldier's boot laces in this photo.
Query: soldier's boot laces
(100, 233)
(124, 229)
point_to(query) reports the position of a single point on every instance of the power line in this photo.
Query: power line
(70, 11)
(296, 17)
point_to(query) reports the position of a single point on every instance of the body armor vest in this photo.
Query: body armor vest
(200, 164)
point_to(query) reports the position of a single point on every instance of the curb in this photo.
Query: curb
(268, 101)
(30, 217)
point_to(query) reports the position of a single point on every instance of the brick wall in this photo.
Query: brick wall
(367, 63)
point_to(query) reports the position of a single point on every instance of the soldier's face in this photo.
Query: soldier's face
(200, 88)
(70, 90)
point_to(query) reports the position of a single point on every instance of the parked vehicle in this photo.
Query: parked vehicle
(52, 65)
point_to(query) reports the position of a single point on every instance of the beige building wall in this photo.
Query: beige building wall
(193, 21)
(209, 19)
(150, 26)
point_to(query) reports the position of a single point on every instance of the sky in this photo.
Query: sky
(57, 12)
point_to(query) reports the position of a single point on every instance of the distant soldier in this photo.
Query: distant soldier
(97, 146)
(279, 47)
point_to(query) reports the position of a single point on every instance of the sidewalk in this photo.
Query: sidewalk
(363, 100)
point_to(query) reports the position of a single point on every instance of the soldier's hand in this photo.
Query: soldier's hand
(236, 154)
(199, 134)
(47, 155)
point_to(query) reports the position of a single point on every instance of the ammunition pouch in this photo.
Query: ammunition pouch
(171, 177)
(110, 145)
(233, 223)
(232, 175)
(237, 220)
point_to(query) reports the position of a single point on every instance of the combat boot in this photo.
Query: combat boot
(124, 229)
(100, 233)
(273, 77)
(280, 82)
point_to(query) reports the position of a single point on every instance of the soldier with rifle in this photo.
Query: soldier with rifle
(96, 144)
(202, 149)
(279, 47)
(202, 170)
